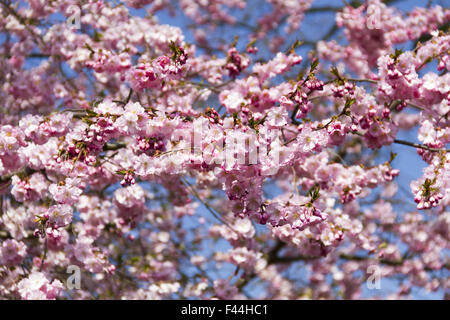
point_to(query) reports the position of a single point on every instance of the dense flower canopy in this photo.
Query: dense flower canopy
(234, 158)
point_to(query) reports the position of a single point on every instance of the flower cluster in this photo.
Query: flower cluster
(37, 287)
(236, 63)
(171, 169)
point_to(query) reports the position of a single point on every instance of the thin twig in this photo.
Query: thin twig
(363, 80)
(420, 146)
(45, 253)
(412, 144)
(195, 194)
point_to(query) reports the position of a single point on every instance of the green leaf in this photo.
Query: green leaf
(300, 75)
(91, 113)
(393, 156)
(236, 38)
(97, 36)
(335, 72)
(349, 102)
(174, 48)
(251, 43)
(314, 193)
(396, 54)
(314, 65)
(89, 48)
(294, 46)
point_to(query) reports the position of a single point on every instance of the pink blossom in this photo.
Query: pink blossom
(67, 192)
(37, 287)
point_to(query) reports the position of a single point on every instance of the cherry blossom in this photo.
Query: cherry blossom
(219, 149)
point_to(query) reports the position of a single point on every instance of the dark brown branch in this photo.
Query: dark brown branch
(420, 146)
(113, 146)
